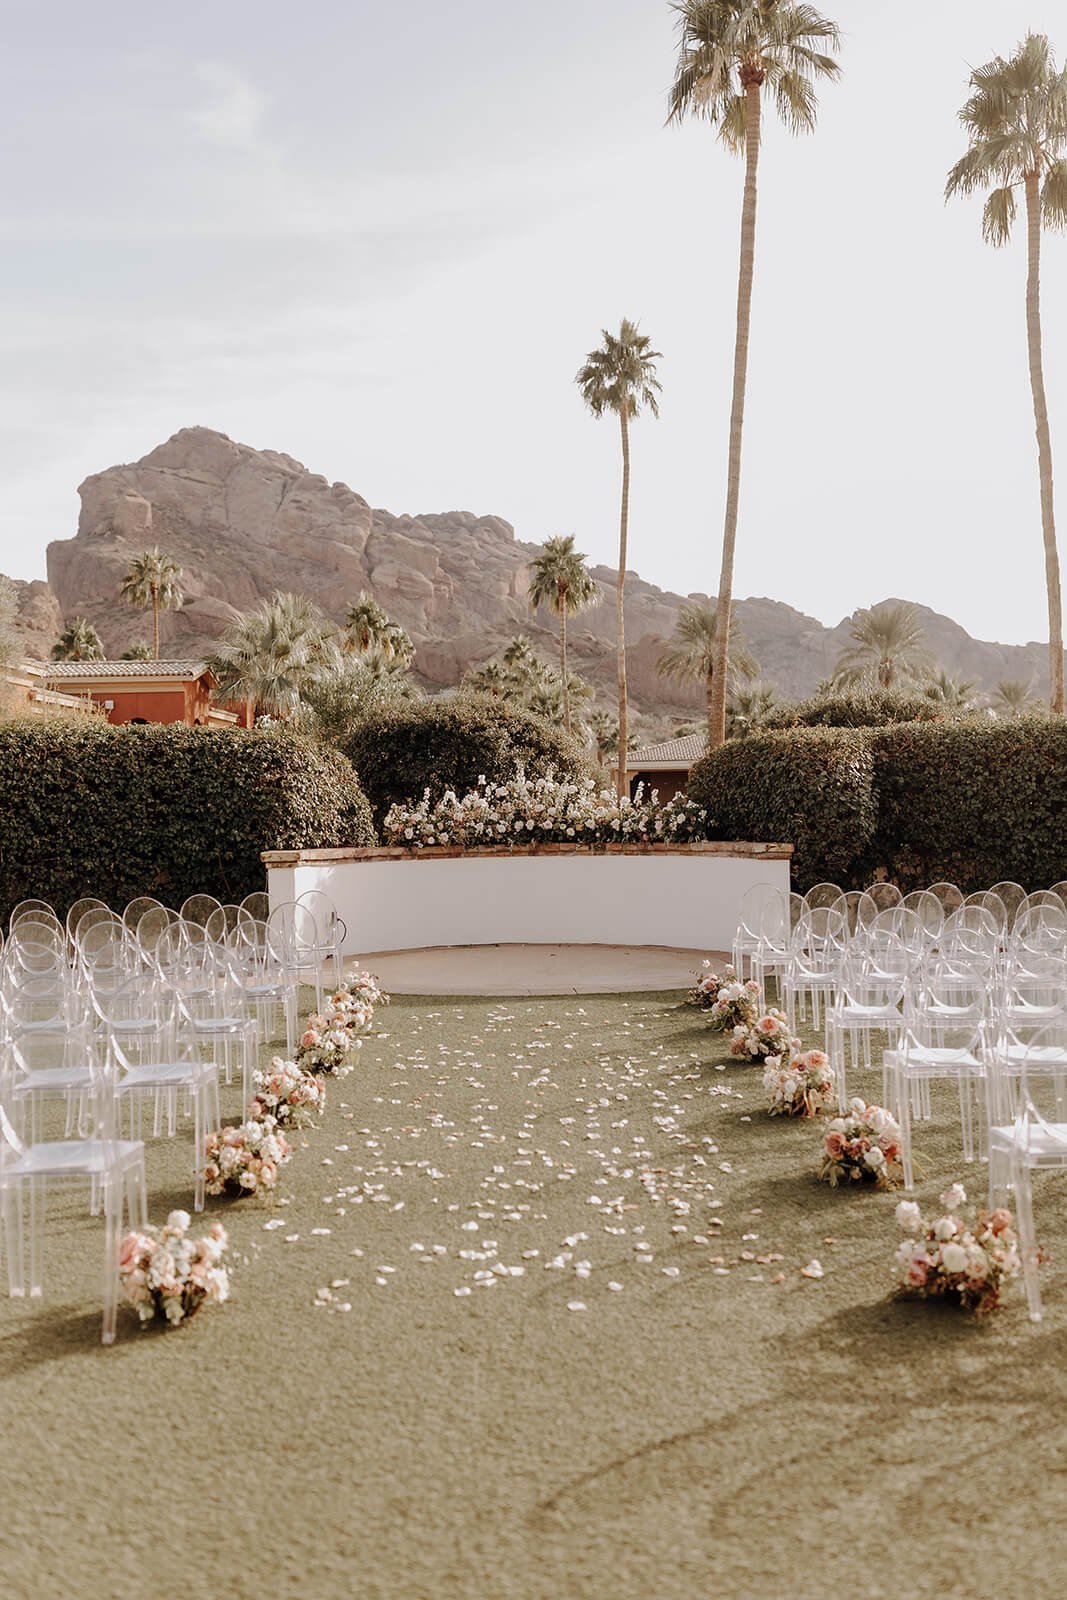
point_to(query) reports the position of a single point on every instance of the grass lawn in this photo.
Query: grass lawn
(668, 1422)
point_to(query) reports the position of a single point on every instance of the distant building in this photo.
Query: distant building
(665, 767)
(25, 691)
(142, 691)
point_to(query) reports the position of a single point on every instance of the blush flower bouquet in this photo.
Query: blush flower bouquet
(289, 1094)
(798, 1085)
(326, 1045)
(862, 1147)
(732, 1004)
(245, 1159)
(951, 1258)
(768, 1035)
(165, 1274)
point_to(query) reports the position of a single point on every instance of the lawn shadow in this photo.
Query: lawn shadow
(56, 1334)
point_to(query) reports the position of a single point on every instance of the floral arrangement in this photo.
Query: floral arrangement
(768, 1035)
(245, 1159)
(950, 1257)
(354, 1002)
(862, 1147)
(326, 1045)
(542, 811)
(732, 1004)
(799, 1085)
(167, 1275)
(289, 1094)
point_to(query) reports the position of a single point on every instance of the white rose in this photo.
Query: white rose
(874, 1158)
(908, 1216)
(953, 1197)
(179, 1220)
(953, 1258)
(944, 1228)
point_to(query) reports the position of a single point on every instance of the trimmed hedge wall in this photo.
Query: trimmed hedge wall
(169, 811)
(812, 788)
(874, 710)
(402, 749)
(971, 802)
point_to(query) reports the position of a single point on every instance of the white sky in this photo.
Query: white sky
(383, 237)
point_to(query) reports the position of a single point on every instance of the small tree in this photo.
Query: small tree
(272, 655)
(79, 641)
(693, 654)
(1013, 697)
(153, 579)
(888, 648)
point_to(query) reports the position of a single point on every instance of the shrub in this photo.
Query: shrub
(972, 802)
(812, 788)
(401, 750)
(90, 809)
(873, 710)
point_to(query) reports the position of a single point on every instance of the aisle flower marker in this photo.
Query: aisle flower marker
(862, 1147)
(245, 1159)
(289, 1094)
(167, 1276)
(950, 1258)
(799, 1085)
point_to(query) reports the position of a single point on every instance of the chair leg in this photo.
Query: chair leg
(11, 1200)
(112, 1231)
(1024, 1216)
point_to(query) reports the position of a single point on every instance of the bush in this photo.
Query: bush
(972, 802)
(401, 750)
(812, 788)
(90, 809)
(874, 710)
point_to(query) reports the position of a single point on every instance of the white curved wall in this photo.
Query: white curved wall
(680, 900)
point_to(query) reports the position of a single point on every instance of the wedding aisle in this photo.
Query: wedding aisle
(531, 1314)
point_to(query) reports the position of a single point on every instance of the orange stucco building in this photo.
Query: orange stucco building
(145, 691)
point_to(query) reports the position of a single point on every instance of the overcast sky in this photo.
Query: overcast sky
(382, 237)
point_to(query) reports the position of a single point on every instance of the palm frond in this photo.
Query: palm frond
(1054, 196)
(998, 216)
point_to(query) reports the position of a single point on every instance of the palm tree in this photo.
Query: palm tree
(1014, 697)
(141, 651)
(693, 655)
(887, 648)
(79, 641)
(357, 685)
(620, 377)
(153, 579)
(748, 708)
(490, 678)
(365, 624)
(560, 579)
(949, 693)
(271, 655)
(1016, 122)
(729, 51)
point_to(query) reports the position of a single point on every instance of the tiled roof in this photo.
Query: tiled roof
(674, 752)
(66, 670)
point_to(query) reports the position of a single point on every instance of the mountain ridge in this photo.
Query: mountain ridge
(243, 522)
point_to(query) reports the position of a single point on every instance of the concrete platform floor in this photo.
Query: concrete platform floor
(528, 969)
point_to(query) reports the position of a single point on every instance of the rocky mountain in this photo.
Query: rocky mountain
(243, 522)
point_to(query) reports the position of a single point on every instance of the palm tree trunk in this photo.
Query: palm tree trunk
(561, 596)
(622, 782)
(1044, 444)
(155, 620)
(709, 691)
(717, 712)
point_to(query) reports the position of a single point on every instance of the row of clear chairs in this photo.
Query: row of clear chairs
(114, 1016)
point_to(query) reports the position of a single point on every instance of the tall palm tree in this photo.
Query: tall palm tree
(620, 377)
(693, 655)
(560, 580)
(79, 641)
(365, 624)
(271, 655)
(153, 579)
(1014, 697)
(729, 52)
(888, 648)
(1016, 123)
(141, 651)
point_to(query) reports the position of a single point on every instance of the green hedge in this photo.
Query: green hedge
(970, 802)
(874, 710)
(403, 749)
(90, 809)
(811, 788)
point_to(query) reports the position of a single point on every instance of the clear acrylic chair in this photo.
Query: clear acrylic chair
(1011, 895)
(257, 905)
(198, 907)
(138, 907)
(28, 908)
(822, 894)
(816, 952)
(948, 896)
(162, 1075)
(868, 999)
(295, 935)
(1033, 1139)
(771, 956)
(858, 908)
(942, 1037)
(29, 1170)
(78, 910)
(884, 894)
(214, 1013)
(749, 931)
